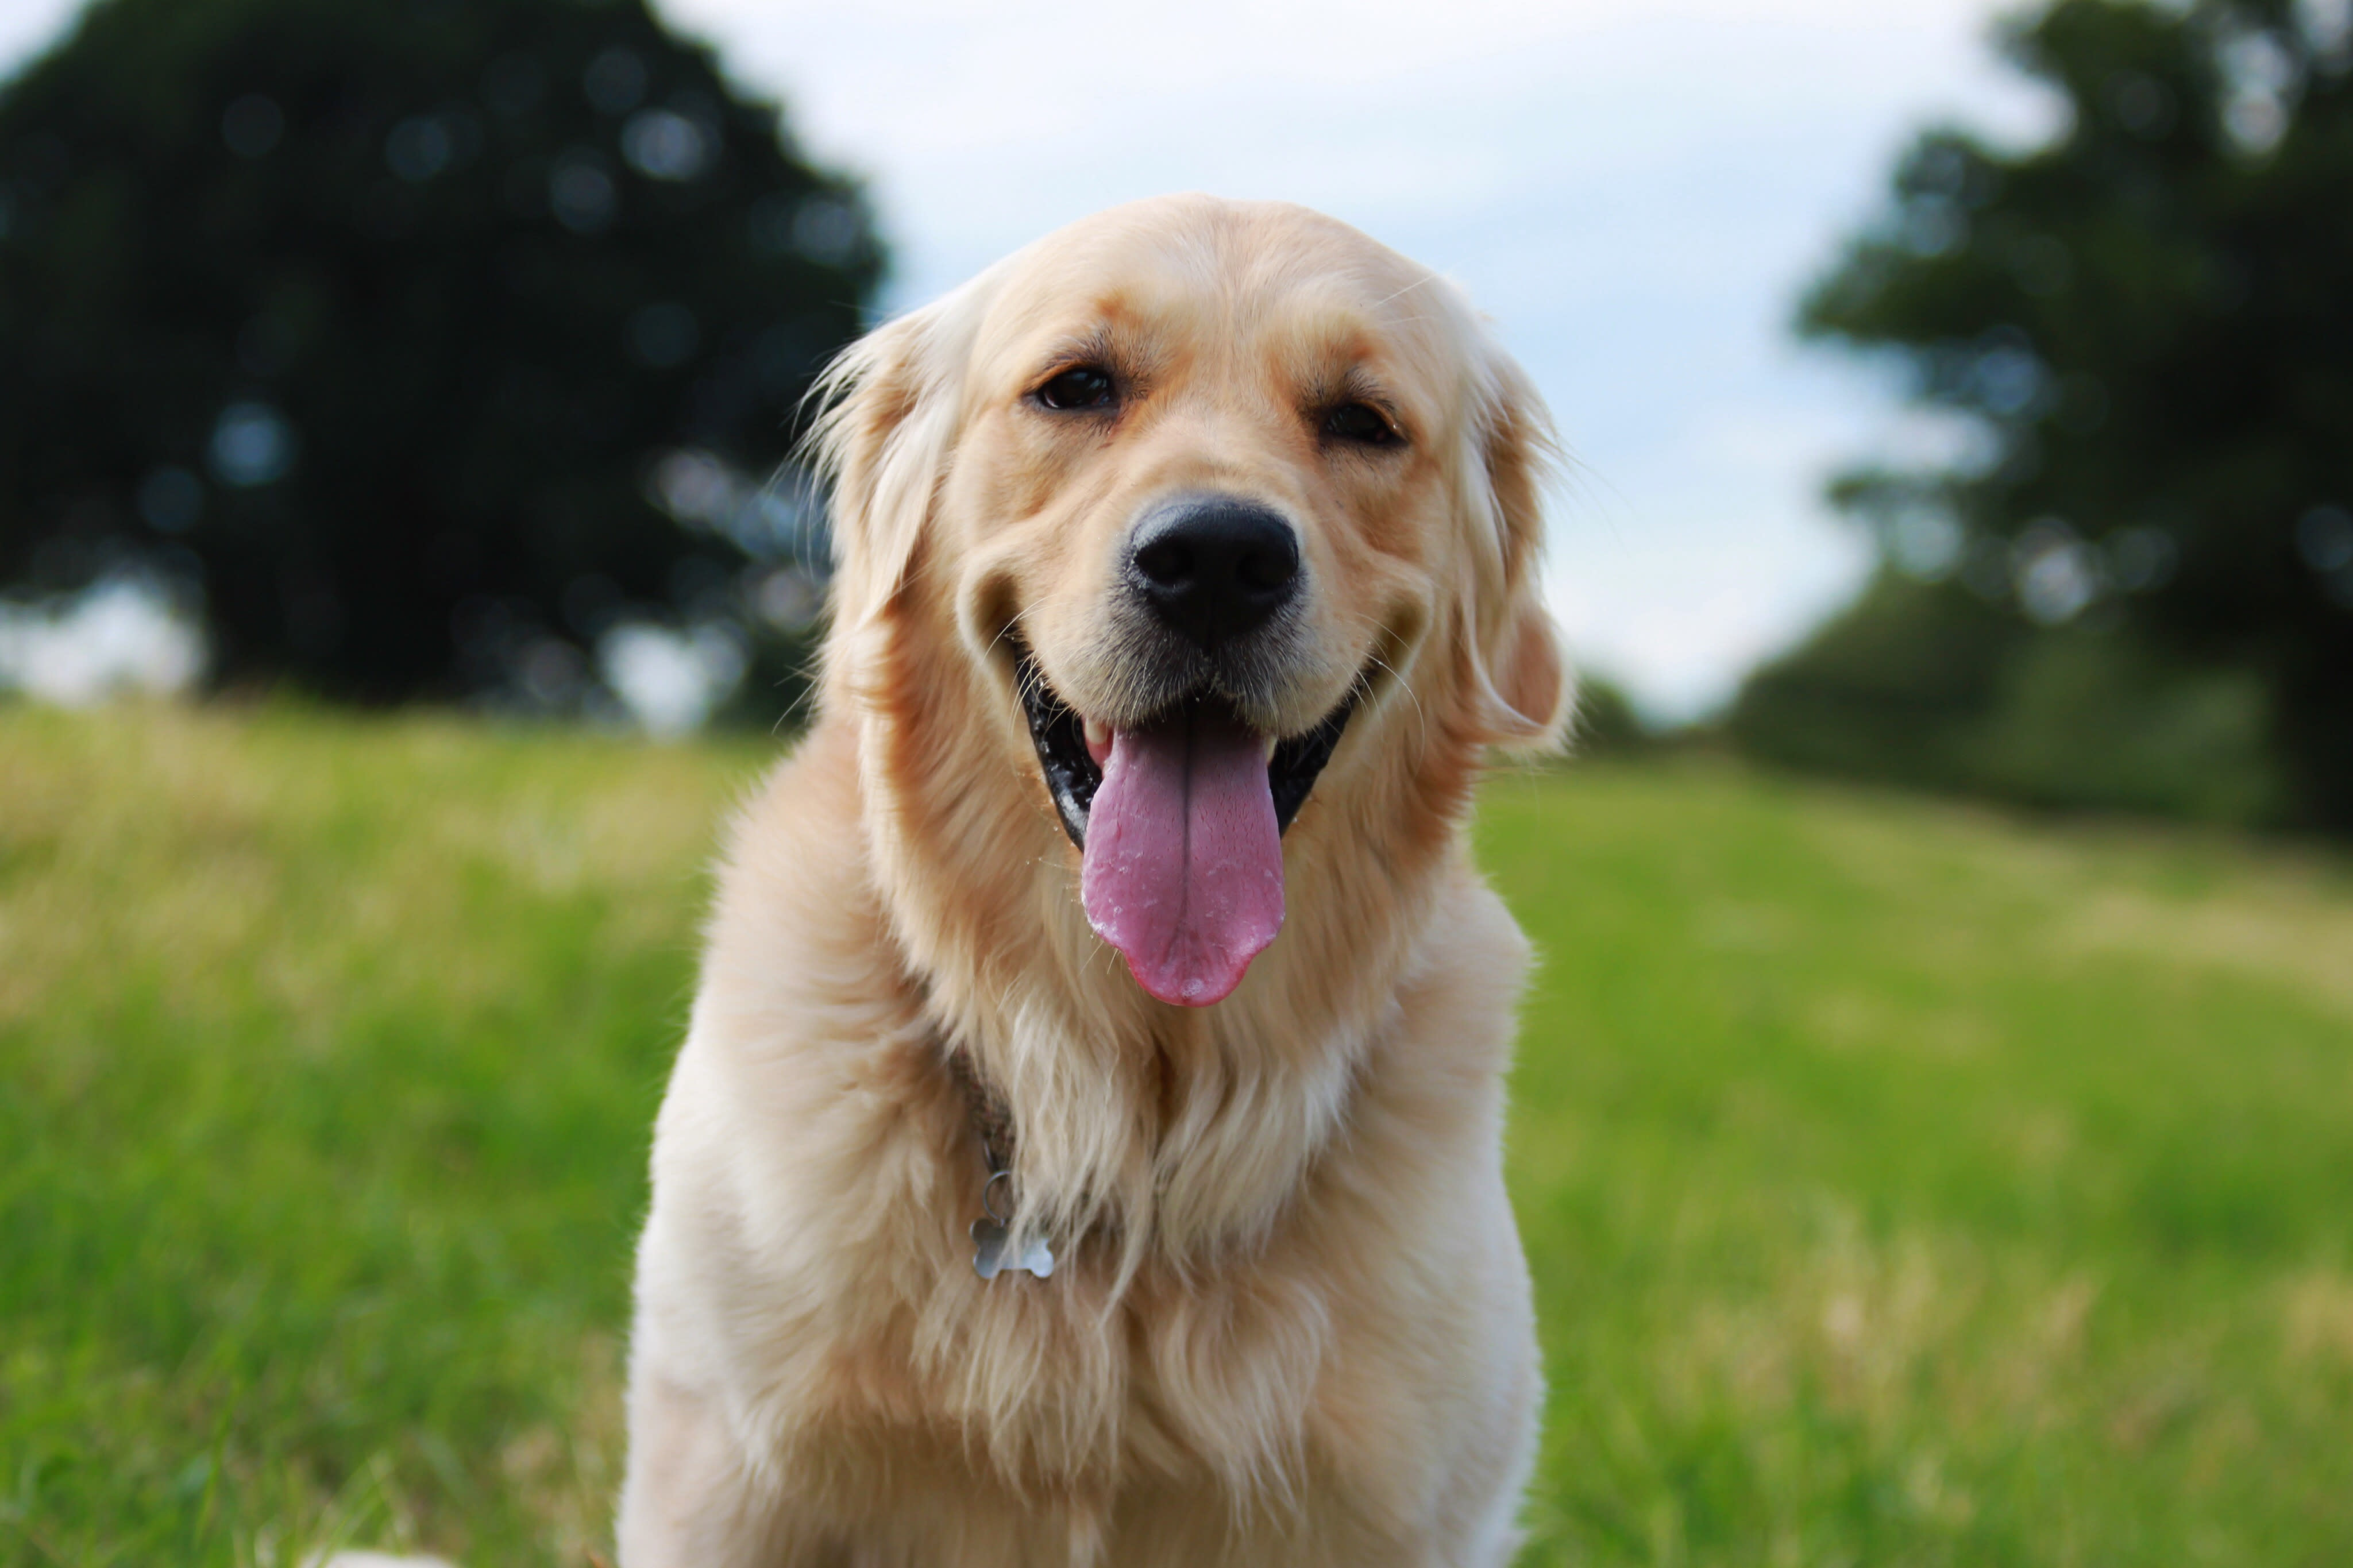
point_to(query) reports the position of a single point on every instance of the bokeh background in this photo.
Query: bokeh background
(1935, 1129)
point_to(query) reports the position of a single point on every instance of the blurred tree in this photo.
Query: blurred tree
(1606, 723)
(2141, 334)
(1928, 685)
(399, 325)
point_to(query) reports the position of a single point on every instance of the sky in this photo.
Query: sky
(1636, 191)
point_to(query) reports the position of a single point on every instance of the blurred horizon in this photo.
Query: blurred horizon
(1636, 195)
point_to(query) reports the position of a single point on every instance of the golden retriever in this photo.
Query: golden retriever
(1086, 1149)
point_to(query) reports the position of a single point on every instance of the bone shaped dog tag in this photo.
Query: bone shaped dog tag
(991, 1256)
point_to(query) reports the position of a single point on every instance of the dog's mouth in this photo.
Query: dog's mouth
(1178, 822)
(1073, 774)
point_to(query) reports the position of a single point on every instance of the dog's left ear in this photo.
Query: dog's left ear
(1519, 677)
(880, 438)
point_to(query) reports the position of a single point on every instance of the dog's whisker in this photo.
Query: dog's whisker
(1004, 634)
(1424, 281)
(1420, 714)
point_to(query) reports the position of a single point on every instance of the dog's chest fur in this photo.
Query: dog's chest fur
(1265, 1282)
(1236, 1396)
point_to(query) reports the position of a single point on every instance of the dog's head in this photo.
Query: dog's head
(1205, 494)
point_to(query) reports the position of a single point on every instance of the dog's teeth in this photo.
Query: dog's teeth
(1270, 743)
(1098, 739)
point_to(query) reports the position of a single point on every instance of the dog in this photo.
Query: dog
(1086, 1145)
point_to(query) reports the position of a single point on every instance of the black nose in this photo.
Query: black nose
(1214, 568)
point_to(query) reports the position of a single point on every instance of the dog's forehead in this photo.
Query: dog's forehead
(1168, 277)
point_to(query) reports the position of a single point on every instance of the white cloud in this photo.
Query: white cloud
(670, 682)
(121, 635)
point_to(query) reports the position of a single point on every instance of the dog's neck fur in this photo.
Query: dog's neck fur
(1180, 1132)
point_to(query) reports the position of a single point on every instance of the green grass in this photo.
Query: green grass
(1904, 1184)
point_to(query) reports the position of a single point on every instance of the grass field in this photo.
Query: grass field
(1904, 1184)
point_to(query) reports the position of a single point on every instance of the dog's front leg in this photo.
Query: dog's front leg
(690, 1500)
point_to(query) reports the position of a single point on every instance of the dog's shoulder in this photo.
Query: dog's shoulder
(806, 1017)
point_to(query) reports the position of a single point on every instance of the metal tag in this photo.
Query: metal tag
(990, 1237)
(989, 1258)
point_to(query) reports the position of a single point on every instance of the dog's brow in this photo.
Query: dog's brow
(1350, 382)
(1093, 345)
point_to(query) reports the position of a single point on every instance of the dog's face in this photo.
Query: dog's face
(1200, 483)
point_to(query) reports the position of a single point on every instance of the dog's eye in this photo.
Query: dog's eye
(1083, 386)
(1362, 424)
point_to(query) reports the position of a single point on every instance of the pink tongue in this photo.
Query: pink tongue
(1183, 869)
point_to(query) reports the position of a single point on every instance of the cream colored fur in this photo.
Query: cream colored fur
(1291, 1321)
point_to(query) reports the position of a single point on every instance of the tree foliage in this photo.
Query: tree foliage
(1929, 685)
(399, 324)
(2143, 330)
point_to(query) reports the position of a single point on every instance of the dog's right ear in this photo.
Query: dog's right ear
(880, 440)
(1522, 683)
